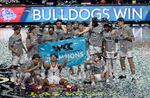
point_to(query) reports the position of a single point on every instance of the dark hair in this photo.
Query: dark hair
(16, 27)
(108, 24)
(31, 28)
(54, 54)
(99, 55)
(95, 19)
(104, 20)
(42, 25)
(51, 26)
(59, 20)
(120, 19)
(82, 23)
(35, 56)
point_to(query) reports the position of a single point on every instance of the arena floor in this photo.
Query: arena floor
(139, 88)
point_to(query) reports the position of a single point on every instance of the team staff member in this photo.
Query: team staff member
(126, 39)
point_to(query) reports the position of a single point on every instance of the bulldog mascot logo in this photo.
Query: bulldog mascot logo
(7, 14)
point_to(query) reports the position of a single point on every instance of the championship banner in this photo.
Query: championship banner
(73, 50)
(75, 13)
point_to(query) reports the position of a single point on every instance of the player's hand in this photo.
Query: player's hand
(65, 62)
(78, 34)
(34, 43)
(13, 66)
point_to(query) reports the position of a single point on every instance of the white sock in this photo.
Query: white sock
(107, 80)
(123, 72)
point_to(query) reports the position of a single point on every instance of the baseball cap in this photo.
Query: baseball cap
(120, 19)
(16, 27)
(108, 24)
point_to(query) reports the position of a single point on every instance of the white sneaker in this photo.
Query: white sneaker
(107, 80)
(93, 83)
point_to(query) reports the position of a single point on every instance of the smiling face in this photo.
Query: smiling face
(17, 31)
(51, 31)
(53, 58)
(34, 30)
(81, 27)
(58, 24)
(36, 61)
(75, 26)
(107, 28)
(96, 58)
(120, 23)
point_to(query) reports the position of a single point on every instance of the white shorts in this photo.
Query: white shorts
(110, 55)
(98, 77)
(94, 49)
(17, 60)
(42, 75)
(128, 54)
(53, 79)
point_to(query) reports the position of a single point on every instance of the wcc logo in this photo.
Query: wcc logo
(66, 47)
(7, 14)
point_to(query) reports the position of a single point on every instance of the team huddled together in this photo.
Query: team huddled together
(105, 41)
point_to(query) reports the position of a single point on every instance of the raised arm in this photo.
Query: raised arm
(64, 64)
(85, 30)
(64, 29)
(33, 68)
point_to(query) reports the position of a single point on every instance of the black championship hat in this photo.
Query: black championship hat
(16, 27)
(108, 24)
(120, 19)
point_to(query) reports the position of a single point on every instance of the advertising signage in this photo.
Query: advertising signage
(78, 13)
